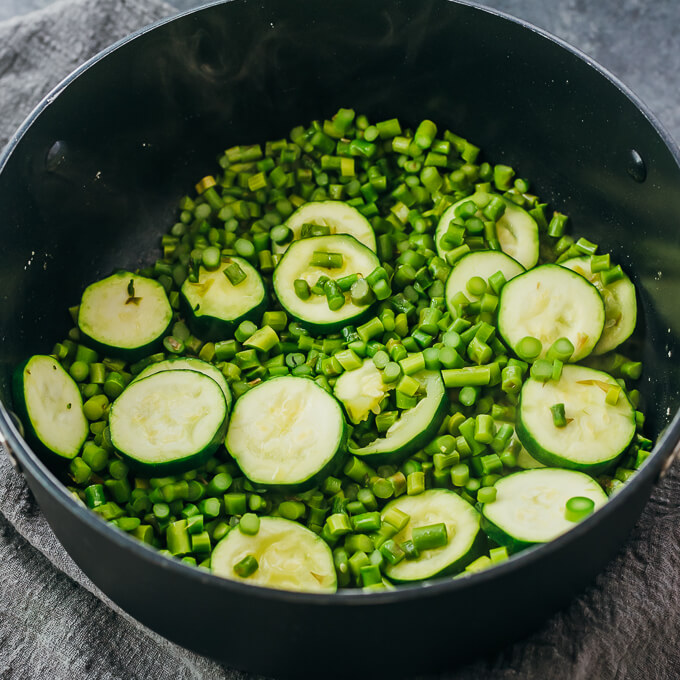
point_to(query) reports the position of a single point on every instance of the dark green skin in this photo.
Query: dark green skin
(179, 465)
(21, 408)
(213, 328)
(554, 459)
(332, 467)
(497, 534)
(477, 549)
(410, 447)
(324, 328)
(132, 354)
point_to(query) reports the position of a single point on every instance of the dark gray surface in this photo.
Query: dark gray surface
(52, 622)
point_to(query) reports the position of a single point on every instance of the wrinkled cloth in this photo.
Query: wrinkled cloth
(54, 623)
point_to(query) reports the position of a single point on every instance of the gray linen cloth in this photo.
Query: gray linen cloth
(54, 623)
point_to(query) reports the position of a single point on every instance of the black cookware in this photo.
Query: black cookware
(91, 181)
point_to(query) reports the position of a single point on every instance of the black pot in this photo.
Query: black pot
(91, 181)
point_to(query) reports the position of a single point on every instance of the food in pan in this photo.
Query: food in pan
(365, 357)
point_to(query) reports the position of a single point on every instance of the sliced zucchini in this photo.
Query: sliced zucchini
(466, 541)
(339, 217)
(526, 461)
(361, 391)
(287, 433)
(124, 315)
(214, 306)
(550, 302)
(516, 229)
(190, 364)
(530, 505)
(597, 432)
(49, 404)
(314, 312)
(482, 263)
(168, 422)
(620, 305)
(415, 427)
(289, 557)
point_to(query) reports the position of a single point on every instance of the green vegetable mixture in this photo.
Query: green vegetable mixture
(364, 357)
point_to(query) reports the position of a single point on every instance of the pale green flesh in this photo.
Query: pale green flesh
(526, 461)
(214, 294)
(338, 216)
(54, 406)
(596, 431)
(516, 229)
(289, 557)
(167, 416)
(550, 302)
(484, 264)
(620, 305)
(530, 505)
(432, 507)
(111, 316)
(361, 391)
(357, 259)
(285, 430)
(190, 364)
(412, 421)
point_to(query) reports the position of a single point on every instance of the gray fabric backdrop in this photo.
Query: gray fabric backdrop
(54, 623)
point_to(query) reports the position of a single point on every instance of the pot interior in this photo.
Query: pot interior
(95, 177)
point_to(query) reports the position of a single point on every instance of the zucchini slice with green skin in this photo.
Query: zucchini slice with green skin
(314, 312)
(620, 304)
(289, 557)
(526, 461)
(482, 263)
(214, 307)
(287, 433)
(360, 391)
(516, 229)
(190, 364)
(339, 217)
(466, 540)
(168, 422)
(597, 432)
(414, 429)
(550, 302)
(49, 404)
(124, 315)
(530, 505)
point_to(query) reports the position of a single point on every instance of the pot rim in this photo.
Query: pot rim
(668, 442)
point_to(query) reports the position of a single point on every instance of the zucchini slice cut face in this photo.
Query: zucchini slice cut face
(550, 302)
(287, 433)
(339, 217)
(483, 263)
(124, 315)
(50, 406)
(361, 391)
(289, 557)
(597, 432)
(415, 427)
(516, 229)
(214, 306)
(620, 304)
(168, 422)
(530, 505)
(190, 364)
(314, 312)
(465, 540)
